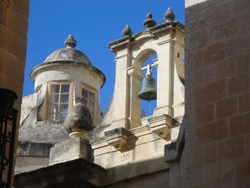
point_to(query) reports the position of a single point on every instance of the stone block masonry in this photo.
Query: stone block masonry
(13, 39)
(217, 94)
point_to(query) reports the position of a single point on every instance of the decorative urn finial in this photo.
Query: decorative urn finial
(78, 122)
(149, 22)
(127, 32)
(70, 42)
(169, 15)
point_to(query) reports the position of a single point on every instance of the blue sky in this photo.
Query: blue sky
(93, 23)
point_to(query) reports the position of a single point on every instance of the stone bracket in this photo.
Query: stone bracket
(161, 125)
(117, 137)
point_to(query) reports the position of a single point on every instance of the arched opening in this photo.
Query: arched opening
(147, 107)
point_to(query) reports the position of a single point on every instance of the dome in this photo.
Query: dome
(68, 53)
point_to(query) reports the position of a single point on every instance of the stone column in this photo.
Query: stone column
(121, 93)
(135, 103)
(170, 89)
(165, 78)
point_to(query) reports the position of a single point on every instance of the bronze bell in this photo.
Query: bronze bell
(148, 90)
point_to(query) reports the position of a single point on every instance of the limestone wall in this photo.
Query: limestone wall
(26, 164)
(159, 179)
(217, 136)
(13, 39)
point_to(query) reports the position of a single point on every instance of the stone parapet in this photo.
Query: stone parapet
(75, 173)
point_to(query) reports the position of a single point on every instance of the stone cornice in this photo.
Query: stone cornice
(160, 126)
(149, 33)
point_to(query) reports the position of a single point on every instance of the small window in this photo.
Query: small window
(59, 101)
(88, 99)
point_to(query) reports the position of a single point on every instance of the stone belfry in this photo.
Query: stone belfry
(167, 42)
(121, 138)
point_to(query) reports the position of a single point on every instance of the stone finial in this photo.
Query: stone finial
(169, 15)
(127, 32)
(70, 42)
(78, 122)
(149, 22)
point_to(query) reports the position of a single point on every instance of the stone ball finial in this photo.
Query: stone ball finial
(78, 120)
(149, 22)
(70, 42)
(169, 15)
(127, 32)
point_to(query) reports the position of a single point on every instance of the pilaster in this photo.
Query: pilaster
(135, 104)
(121, 93)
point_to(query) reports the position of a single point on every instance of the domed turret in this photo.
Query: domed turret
(68, 54)
(67, 74)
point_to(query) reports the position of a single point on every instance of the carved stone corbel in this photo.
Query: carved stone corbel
(117, 137)
(161, 125)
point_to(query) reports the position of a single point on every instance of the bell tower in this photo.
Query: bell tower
(124, 143)
(166, 41)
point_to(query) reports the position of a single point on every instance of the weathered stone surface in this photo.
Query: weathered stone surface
(149, 22)
(117, 137)
(70, 42)
(28, 163)
(217, 94)
(78, 119)
(169, 15)
(68, 54)
(33, 149)
(127, 32)
(73, 148)
(43, 132)
(76, 173)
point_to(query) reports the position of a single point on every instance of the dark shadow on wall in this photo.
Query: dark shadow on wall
(217, 53)
(82, 173)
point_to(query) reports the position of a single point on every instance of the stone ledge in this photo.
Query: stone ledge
(160, 126)
(76, 173)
